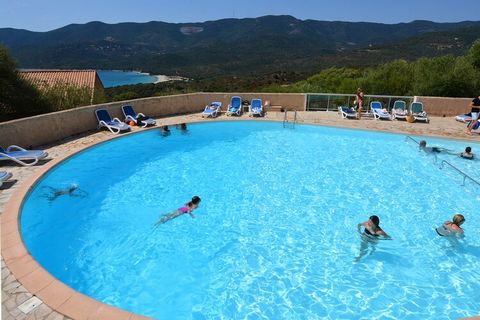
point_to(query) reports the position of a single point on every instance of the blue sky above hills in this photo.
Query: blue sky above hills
(46, 15)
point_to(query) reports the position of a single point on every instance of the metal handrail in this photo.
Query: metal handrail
(285, 118)
(408, 137)
(465, 176)
(295, 119)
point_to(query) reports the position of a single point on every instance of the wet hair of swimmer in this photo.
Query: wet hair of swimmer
(468, 149)
(423, 143)
(195, 200)
(458, 218)
(375, 220)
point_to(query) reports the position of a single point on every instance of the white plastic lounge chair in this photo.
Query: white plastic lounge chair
(418, 113)
(212, 110)
(347, 113)
(4, 176)
(255, 108)
(114, 125)
(378, 112)
(131, 115)
(399, 110)
(22, 156)
(235, 106)
(467, 117)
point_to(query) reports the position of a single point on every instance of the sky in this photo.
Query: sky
(45, 15)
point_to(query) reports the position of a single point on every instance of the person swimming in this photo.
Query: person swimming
(423, 146)
(452, 228)
(55, 193)
(187, 208)
(467, 154)
(372, 228)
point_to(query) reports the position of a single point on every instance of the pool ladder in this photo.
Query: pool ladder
(285, 119)
(465, 176)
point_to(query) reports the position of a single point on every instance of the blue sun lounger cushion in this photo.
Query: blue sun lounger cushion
(131, 115)
(212, 110)
(22, 156)
(114, 125)
(256, 108)
(235, 106)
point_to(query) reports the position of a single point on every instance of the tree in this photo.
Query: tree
(18, 98)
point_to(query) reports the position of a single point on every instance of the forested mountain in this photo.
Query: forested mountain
(235, 46)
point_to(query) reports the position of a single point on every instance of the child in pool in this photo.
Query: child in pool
(452, 228)
(187, 208)
(467, 154)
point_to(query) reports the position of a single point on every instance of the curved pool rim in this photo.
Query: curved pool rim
(39, 282)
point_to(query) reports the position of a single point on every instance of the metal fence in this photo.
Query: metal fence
(331, 101)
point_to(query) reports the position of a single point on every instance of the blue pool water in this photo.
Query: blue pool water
(275, 234)
(113, 78)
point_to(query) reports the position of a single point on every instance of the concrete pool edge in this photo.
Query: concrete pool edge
(38, 281)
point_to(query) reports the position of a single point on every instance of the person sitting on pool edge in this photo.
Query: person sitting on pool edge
(452, 228)
(372, 227)
(467, 154)
(187, 208)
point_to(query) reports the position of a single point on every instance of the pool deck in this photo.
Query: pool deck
(29, 292)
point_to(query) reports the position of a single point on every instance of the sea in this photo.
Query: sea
(113, 78)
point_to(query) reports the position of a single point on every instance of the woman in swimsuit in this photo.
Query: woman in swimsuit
(452, 228)
(372, 228)
(187, 208)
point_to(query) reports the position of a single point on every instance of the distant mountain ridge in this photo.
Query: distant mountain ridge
(233, 46)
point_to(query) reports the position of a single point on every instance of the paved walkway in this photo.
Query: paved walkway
(18, 303)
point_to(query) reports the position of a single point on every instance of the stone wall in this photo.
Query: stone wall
(51, 127)
(445, 107)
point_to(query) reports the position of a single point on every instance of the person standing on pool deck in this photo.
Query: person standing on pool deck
(372, 227)
(187, 208)
(359, 100)
(475, 105)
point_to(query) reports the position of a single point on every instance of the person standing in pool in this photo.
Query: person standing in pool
(187, 208)
(452, 228)
(372, 228)
(467, 154)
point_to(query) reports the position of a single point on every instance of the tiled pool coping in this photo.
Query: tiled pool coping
(63, 300)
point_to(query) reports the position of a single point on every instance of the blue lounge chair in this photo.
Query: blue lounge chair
(4, 176)
(22, 156)
(212, 110)
(347, 113)
(378, 112)
(235, 106)
(114, 125)
(475, 127)
(399, 110)
(255, 108)
(131, 115)
(418, 113)
(467, 117)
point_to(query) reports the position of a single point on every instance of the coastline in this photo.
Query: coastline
(164, 78)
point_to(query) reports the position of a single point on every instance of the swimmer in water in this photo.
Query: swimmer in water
(187, 208)
(452, 228)
(55, 193)
(467, 154)
(423, 146)
(372, 228)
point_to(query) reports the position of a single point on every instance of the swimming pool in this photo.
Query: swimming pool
(275, 234)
